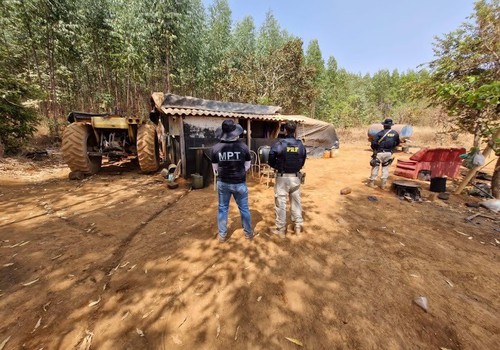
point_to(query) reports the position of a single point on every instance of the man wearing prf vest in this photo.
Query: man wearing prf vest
(383, 145)
(287, 157)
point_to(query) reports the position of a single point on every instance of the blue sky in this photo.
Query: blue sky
(363, 36)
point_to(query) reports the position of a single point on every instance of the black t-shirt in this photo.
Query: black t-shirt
(231, 157)
(388, 143)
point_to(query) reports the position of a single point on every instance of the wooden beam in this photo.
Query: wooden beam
(183, 146)
(249, 134)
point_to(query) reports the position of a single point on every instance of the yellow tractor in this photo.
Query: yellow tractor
(90, 137)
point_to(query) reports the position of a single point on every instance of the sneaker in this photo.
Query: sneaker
(280, 233)
(371, 183)
(298, 230)
(222, 239)
(249, 237)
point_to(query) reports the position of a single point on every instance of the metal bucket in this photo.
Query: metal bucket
(197, 181)
(438, 184)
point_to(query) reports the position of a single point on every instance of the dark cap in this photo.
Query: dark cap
(290, 127)
(229, 130)
(388, 122)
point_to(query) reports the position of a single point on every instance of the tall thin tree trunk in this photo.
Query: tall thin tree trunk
(27, 23)
(128, 92)
(477, 136)
(167, 61)
(89, 89)
(495, 181)
(53, 87)
(109, 87)
(2, 149)
(136, 98)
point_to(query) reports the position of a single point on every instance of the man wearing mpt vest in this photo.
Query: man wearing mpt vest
(288, 156)
(383, 145)
(230, 161)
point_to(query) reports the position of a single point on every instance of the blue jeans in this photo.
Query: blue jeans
(240, 194)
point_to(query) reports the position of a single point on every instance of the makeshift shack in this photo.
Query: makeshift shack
(187, 129)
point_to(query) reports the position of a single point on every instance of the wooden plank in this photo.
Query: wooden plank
(249, 134)
(183, 145)
(472, 172)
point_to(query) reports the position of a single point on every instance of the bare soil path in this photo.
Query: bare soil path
(119, 261)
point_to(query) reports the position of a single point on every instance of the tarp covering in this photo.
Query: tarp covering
(188, 102)
(317, 135)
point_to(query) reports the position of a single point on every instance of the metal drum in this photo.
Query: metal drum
(404, 130)
(263, 153)
(438, 184)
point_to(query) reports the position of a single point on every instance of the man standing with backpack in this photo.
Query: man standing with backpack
(383, 145)
(287, 157)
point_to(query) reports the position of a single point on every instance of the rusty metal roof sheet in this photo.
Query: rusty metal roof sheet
(190, 102)
(208, 108)
(157, 99)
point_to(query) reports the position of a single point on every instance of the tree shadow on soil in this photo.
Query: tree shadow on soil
(141, 268)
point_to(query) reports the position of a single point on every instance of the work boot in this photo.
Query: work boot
(298, 230)
(383, 185)
(371, 183)
(280, 232)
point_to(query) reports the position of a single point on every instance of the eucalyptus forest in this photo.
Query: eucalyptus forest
(110, 55)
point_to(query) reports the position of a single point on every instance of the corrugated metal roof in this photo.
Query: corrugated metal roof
(209, 113)
(190, 102)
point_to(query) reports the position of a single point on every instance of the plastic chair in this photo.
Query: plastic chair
(265, 170)
(267, 173)
(254, 163)
(262, 157)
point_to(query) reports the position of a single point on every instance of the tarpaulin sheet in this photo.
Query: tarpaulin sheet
(317, 136)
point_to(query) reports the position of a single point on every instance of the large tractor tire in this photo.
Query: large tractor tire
(77, 139)
(148, 151)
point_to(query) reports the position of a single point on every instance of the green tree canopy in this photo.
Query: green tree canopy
(465, 76)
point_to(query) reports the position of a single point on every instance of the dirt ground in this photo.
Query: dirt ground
(119, 261)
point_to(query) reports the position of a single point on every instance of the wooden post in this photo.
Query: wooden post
(472, 172)
(249, 133)
(183, 146)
